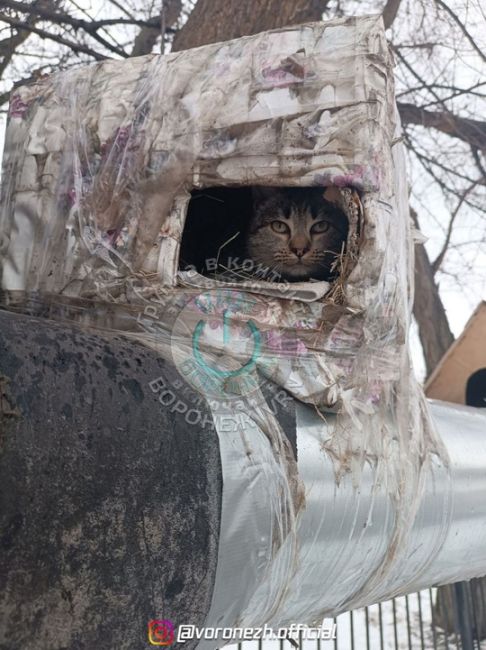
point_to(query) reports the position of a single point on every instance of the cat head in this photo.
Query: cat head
(296, 233)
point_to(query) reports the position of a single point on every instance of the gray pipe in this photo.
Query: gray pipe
(344, 533)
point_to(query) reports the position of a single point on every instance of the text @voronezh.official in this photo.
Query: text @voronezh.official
(164, 632)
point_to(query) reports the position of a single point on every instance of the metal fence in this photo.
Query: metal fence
(449, 618)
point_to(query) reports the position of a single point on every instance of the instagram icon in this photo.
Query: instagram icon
(160, 632)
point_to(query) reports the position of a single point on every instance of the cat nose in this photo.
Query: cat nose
(300, 251)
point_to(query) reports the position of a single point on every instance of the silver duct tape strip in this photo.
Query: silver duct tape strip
(343, 532)
(251, 497)
(463, 554)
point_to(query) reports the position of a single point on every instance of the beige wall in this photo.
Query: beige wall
(448, 381)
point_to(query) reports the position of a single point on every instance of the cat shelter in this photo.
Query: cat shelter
(337, 478)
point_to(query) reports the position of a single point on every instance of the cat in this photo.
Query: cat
(296, 233)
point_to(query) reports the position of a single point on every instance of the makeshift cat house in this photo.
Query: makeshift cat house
(100, 162)
(321, 510)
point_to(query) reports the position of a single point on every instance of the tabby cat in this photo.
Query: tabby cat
(295, 233)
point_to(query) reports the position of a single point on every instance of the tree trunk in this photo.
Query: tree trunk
(220, 20)
(434, 331)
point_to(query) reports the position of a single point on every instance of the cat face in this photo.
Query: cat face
(296, 233)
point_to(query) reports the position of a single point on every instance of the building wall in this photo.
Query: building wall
(465, 356)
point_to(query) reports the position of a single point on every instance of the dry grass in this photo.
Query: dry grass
(342, 265)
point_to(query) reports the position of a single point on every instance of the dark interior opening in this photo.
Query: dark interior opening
(215, 228)
(286, 234)
(476, 389)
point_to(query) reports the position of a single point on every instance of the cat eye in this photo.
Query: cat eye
(320, 227)
(280, 227)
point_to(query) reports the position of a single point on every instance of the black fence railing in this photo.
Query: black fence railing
(450, 618)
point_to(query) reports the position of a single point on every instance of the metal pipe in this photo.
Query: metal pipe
(344, 531)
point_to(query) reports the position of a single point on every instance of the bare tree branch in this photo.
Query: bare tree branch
(428, 164)
(4, 97)
(440, 257)
(9, 46)
(145, 41)
(434, 331)
(59, 17)
(470, 90)
(91, 27)
(148, 35)
(75, 47)
(457, 92)
(478, 162)
(462, 27)
(436, 162)
(123, 9)
(471, 131)
(390, 12)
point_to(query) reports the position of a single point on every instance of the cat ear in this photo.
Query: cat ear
(332, 194)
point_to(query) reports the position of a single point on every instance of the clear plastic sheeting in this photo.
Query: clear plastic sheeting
(99, 164)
